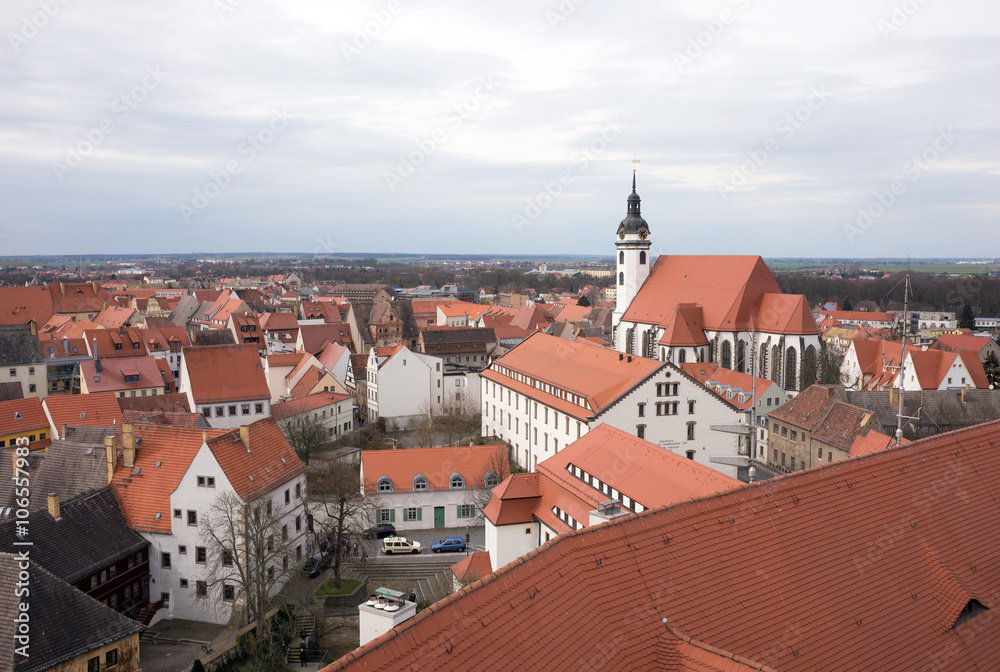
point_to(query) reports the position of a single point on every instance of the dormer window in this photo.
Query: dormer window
(971, 610)
(420, 483)
(384, 484)
(456, 482)
(491, 479)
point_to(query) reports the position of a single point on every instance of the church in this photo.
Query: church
(709, 308)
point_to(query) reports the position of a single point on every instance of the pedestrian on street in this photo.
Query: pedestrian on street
(355, 548)
(303, 654)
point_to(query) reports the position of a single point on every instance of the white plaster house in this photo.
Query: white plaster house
(424, 488)
(403, 385)
(226, 384)
(548, 392)
(167, 481)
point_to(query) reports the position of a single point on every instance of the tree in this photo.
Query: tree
(847, 305)
(966, 320)
(991, 365)
(305, 433)
(830, 363)
(335, 490)
(583, 301)
(496, 469)
(247, 553)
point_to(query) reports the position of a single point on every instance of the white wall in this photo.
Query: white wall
(509, 542)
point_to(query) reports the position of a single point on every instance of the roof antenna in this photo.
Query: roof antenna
(902, 366)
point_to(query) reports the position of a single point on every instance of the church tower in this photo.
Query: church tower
(632, 256)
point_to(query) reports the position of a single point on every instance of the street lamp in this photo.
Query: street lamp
(466, 539)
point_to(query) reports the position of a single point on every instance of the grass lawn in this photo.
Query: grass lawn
(327, 588)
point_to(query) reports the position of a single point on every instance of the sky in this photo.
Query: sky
(861, 128)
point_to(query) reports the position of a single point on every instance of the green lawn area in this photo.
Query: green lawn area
(327, 588)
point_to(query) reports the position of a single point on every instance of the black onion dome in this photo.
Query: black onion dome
(633, 220)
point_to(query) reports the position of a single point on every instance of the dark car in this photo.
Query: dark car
(448, 544)
(316, 564)
(380, 531)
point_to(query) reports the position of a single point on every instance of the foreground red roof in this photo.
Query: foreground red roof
(900, 543)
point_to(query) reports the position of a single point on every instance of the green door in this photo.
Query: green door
(438, 516)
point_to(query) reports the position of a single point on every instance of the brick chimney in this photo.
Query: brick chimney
(111, 452)
(245, 436)
(893, 396)
(204, 436)
(54, 505)
(965, 393)
(65, 429)
(128, 444)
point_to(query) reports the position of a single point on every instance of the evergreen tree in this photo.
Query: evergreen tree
(991, 364)
(966, 320)
(583, 301)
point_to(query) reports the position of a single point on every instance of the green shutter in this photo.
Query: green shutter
(472, 510)
(392, 515)
(459, 513)
(420, 511)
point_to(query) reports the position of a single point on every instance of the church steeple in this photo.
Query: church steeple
(632, 252)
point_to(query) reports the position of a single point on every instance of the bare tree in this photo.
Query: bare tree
(305, 433)
(335, 490)
(496, 469)
(246, 552)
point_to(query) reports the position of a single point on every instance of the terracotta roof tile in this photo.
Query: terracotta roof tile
(225, 373)
(916, 528)
(262, 465)
(436, 464)
(99, 409)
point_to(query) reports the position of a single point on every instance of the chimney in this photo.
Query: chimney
(65, 345)
(34, 327)
(65, 428)
(606, 511)
(204, 436)
(893, 396)
(965, 393)
(97, 362)
(62, 288)
(629, 360)
(128, 444)
(111, 451)
(620, 356)
(245, 436)
(54, 505)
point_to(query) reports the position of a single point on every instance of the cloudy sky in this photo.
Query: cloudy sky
(860, 128)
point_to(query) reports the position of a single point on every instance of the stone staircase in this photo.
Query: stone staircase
(305, 622)
(430, 577)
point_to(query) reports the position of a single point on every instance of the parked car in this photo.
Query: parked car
(380, 531)
(399, 545)
(448, 544)
(316, 564)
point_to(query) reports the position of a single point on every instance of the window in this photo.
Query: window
(31, 387)
(419, 483)
(211, 481)
(227, 558)
(284, 532)
(228, 592)
(795, 435)
(201, 481)
(193, 518)
(457, 481)
(288, 496)
(207, 412)
(245, 409)
(177, 513)
(298, 523)
(491, 479)
(13, 373)
(164, 561)
(690, 454)
(384, 484)
(384, 515)
(111, 658)
(93, 582)
(183, 584)
(113, 601)
(200, 555)
(412, 513)
(690, 408)
(782, 459)
(258, 408)
(690, 433)
(466, 510)
(200, 589)
(784, 432)
(642, 410)
(94, 664)
(640, 431)
(792, 462)
(182, 550)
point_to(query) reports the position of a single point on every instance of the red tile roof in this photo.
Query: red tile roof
(145, 494)
(99, 409)
(225, 373)
(722, 381)
(914, 536)
(19, 415)
(437, 464)
(254, 469)
(598, 374)
(286, 409)
(515, 499)
(113, 372)
(806, 409)
(78, 297)
(684, 327)
(962, 342)
(473, 567)
(20, 305)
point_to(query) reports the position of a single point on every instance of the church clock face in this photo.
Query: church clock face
(621, 235)
(643, 234)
